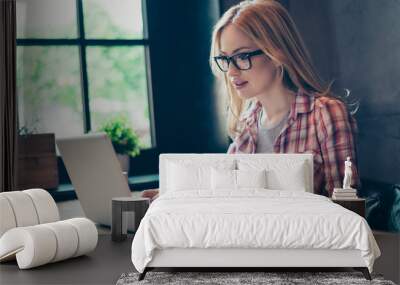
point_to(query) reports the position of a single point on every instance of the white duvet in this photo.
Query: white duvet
(251, 218)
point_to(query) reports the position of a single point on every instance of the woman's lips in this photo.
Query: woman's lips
(239, 84)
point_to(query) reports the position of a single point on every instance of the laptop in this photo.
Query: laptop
(96, 175)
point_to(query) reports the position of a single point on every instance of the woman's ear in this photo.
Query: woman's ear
(278, 71)
(281, 70)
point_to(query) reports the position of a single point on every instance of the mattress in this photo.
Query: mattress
(250, 218)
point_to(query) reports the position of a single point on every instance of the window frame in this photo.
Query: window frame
(82, 43)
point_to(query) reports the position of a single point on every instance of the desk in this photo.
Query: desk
(66, 192)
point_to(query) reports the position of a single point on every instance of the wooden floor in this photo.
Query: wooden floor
(102, 266)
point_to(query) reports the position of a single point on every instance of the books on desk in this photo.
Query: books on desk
(339, 193)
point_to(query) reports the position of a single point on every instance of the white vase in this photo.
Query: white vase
(124, 162)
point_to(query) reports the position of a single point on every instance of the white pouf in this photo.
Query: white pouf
(41, 244)
(31, 233)
(46, 207)
(67, 236)
(7, 218)
(23, 208)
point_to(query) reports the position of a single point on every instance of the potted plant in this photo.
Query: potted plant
(123, 138)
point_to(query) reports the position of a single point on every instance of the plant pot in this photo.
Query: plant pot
(124, 162)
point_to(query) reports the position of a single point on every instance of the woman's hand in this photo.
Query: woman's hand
(150, 193)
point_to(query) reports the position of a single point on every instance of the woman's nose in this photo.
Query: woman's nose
(232, 70)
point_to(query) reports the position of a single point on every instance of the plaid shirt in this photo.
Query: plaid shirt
(316, 124)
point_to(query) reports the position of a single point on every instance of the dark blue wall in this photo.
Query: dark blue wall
(357, 42)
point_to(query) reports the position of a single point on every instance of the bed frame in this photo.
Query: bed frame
(242, 258)
(256, 258)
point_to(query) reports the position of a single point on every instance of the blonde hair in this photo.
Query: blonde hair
(270, 27)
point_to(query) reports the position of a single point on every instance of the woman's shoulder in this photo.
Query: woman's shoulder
(328, 101)
(329, 105)
(332, 111)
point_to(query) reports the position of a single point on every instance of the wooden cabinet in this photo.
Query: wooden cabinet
(37, 162)
(355, 205)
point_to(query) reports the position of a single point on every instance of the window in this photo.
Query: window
(82, 62)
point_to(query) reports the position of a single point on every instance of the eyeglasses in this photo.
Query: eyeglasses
(241, 61)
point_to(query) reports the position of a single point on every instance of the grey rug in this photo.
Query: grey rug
(229, 278)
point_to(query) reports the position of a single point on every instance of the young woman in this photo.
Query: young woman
(276, 100)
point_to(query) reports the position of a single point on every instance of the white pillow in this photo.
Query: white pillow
(187, 175)
(223, 179)
(237, 179)
(293, 179)
(251, 178)
(288, 175)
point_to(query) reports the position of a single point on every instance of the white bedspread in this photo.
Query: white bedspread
(251, 218)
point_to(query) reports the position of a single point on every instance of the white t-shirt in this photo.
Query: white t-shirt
(267, 135)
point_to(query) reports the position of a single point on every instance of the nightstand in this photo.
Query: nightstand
(355, 205)
(121, 205)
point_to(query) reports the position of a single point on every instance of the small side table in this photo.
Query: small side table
(355, 205)
(126, 204)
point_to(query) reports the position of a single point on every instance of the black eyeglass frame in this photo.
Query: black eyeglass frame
(232, 59)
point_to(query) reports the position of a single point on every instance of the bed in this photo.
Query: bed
(247, 210)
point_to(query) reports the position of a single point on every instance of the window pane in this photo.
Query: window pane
(46, 19)
(49, 93)
(116, 19)
(117, 86)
